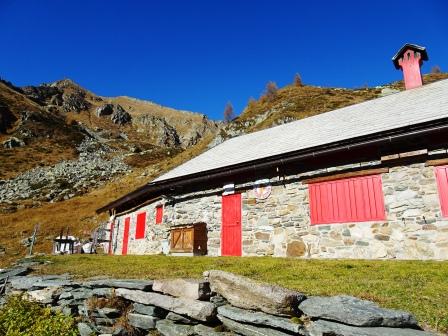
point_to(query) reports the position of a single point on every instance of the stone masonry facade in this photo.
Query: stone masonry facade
(280, 225)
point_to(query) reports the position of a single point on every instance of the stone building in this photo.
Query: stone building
(364, 181)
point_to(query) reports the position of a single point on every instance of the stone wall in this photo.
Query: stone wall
(280, 225)
(221, 304)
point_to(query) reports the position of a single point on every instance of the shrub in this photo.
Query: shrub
(436, 69)
(229, 113)
(25, 318)
(298, 80)
(271, 91)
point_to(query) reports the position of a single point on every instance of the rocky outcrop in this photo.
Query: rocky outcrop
(105, 110)
(66, 179)
(7, 118)
(13, 143)
(158, 129)
(104, 306)
(120, 116)
(245, 293)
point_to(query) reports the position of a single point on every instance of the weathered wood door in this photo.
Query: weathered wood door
(182, 239)
(231, 225)
(127, 224)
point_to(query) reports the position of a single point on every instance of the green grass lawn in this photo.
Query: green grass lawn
(420, 287)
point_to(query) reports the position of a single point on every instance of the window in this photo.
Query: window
(140, 228)
(159, 214)
(357, 199)
(442, 185)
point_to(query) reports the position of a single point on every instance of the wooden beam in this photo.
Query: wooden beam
(436, 162)
(357, 173)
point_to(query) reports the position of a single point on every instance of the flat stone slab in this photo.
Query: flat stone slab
(144, 322)
(259, 318)
(199, 310)
(357, 312)
(11, 272)
(149, 310)
(245, 293)
(324, 328)
(179, 319)
(45, 295)
(30, 282)
(168, 328)
(250, 330)
(187, 288)
(143, 285)
(203, 330)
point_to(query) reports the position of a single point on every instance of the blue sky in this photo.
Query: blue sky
(197, 55)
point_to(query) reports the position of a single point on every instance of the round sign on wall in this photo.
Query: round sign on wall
(262, 189)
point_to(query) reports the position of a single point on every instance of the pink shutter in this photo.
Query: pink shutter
(357, 199)
(442, 185)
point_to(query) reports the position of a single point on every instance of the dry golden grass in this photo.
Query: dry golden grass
(78, 213)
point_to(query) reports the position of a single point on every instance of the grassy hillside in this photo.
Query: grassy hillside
(297, 102)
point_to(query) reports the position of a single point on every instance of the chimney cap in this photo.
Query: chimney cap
(414, 47)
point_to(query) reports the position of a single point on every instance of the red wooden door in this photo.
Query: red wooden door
(231, 225)
(127, 224)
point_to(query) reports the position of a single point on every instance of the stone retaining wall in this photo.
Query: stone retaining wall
(220, 304)
(280, 225)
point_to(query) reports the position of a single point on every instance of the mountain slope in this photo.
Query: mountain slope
(65, 125)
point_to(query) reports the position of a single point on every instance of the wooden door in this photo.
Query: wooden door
(231, 225)
(182, 239)
(127, 224)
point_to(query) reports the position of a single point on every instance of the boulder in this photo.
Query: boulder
(120, 116)
(144, 322)
(168, 328)
(357, 312)
(143, 285)
(250, 330)
(13, 143)
(199, 310)
(187, 288)
(259, 318)
(325, 328)
(245, 293)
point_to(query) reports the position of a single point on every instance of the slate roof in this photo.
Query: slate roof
(423, 104)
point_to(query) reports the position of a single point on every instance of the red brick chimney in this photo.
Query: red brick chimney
(410, 58)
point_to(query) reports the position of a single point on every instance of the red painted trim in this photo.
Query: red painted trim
(159, 214)
(140, 227)
(231, 235)
(442, 185)
(356, 199)
(127, 225)
(111, 236)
